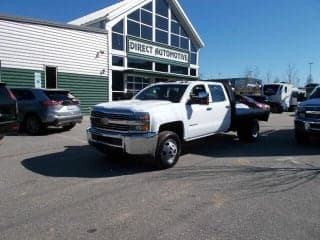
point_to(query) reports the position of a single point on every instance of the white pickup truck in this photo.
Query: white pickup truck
(164, 115)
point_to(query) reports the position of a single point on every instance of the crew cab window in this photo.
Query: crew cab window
(217, 93)
(197, 89)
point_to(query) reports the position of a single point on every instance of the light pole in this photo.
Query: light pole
(310, 63)
(309, 80)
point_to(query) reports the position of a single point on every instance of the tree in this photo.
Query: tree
(291, 73)
(268, 76)
(252, 72)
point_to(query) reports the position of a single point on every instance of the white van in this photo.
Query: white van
(281, 94)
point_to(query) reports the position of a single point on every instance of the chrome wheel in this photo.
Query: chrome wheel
(169, 151)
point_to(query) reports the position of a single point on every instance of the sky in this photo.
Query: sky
(261, 36)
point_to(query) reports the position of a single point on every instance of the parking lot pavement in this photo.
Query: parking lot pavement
(56, 187)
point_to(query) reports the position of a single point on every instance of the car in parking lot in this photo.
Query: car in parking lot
(8, 111)
(307, 120)
(41, 108)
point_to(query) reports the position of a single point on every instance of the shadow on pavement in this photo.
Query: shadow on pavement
(277, 143)
(84, 162)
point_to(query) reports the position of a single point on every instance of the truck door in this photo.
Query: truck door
(221, 109)
(199, 117)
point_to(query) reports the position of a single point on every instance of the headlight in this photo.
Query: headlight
(142, 122)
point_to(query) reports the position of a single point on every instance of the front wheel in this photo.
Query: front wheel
(168, 150)
(249, 131)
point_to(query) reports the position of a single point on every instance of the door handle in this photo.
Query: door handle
(209, 108)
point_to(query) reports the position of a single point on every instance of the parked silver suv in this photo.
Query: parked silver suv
(40, 108)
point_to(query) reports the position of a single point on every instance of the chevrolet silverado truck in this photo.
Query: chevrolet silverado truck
(307, 119)
(164, 115)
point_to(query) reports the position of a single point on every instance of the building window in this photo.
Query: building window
(194, 55)
(146, 32)
(193, 72)
(117, 61)
(160, 67)
(140, 23)
(117, 36)
(179, 70)
(117, 81)
(51, 77)
(146, 17)
(139, 63)
(133, 28)
(162, 23)
(179, 37)
(162, 7)
(162, 36)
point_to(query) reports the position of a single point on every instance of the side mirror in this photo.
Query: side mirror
(202, 98)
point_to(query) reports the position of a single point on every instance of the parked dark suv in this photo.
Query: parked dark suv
(40, 108)
(8, 112)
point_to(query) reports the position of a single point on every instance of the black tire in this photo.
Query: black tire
(69, 126)
(301, 138)
(249, 131)
(168, 150)
(33, 125)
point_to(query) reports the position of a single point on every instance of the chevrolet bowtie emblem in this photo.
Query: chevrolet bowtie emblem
(105, 121)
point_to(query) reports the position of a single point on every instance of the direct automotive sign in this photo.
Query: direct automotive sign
(151, 50)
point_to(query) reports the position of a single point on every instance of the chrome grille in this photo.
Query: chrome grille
(97, 121)
(113, 116)
(313, 116)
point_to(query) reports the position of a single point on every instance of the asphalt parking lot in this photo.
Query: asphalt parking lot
(56, 187)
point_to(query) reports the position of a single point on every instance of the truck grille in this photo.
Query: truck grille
(313, 116)
(100, 120)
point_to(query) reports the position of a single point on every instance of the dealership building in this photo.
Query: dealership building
(107, 55)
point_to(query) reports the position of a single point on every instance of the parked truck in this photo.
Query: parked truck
(162, 116)
(307, 119)
(281, 96)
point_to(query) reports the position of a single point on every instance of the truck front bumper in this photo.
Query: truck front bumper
(133, 144)
(306, 126)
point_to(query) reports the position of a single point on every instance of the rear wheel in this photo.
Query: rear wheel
(69, 126)
(33, 125)
(249, 131)
(168, 150)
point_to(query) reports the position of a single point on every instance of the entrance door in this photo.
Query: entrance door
(51, 77)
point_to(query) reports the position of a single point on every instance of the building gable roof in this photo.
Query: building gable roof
(125, 7)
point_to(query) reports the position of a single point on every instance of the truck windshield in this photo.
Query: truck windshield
(315, 93)
(165, 92)
(270, 89)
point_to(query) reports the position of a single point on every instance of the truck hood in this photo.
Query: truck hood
(315, 102)
(131, 106)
